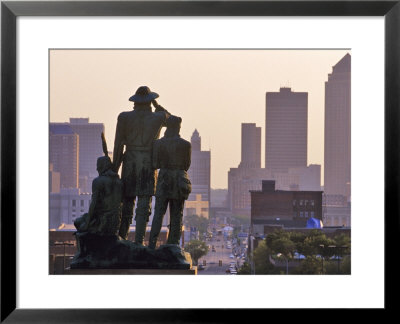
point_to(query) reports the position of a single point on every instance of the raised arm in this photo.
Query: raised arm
(160, 108)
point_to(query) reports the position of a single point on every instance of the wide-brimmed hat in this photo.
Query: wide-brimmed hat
(143, 94)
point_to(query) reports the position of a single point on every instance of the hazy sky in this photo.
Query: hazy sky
(214, 91)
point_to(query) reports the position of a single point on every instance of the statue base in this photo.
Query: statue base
(97, 251)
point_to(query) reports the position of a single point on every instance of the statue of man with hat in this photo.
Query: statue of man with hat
(136, 131)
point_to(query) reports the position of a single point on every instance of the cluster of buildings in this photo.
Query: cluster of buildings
(287, 191)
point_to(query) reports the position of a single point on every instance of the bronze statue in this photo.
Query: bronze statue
(171, 154)
(104, 216)
(136, 131)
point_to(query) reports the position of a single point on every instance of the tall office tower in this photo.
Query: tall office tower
(249, 174)
(286, 130)
(338, 129)
(90, 148)
(64, 154)
(196, 141)
(200, 169)
(251, 146)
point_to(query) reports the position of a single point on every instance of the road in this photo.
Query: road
(221, 253)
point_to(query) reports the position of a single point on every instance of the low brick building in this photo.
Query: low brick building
(285, 208)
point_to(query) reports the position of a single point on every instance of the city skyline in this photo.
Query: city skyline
(214, 91)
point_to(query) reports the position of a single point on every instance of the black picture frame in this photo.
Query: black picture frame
(10, 10)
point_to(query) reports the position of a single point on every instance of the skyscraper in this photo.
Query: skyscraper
(251, 146)
(200, 169)
(286, 130)
(338, 129)
(90, 148)
(64, 154)
(249, 174)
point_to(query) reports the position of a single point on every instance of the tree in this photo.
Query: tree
(197, 249)
(311, 265)
(200, 222)
(261, 259)
(244, 269)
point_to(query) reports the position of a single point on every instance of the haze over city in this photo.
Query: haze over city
(214, 91)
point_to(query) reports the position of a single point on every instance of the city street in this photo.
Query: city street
(221, 253)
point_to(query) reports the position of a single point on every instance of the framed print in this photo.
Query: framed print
(36, 36)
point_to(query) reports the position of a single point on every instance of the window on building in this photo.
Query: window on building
(312, 202)
(306, 202)
(301, 202)
(294, 202)
(306, 214)
(82, 203)
(301, 214)
(73, 203)
(312, 214)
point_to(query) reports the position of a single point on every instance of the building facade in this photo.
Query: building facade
(302, 178)
(337, 154)
(64, 154)
(54, 180)
(68, 204)
(251, 146)
(197, 207)
(240, 182)
(200, 170)
(90, 148)
(286, 130)
(286, 208)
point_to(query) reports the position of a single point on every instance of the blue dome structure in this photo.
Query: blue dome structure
(314, 223)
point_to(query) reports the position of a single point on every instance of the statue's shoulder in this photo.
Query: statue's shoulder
(161, 142)
(185, 143)
(125, 114)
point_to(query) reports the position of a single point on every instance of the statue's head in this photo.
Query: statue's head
(173, 125)
(143, 95)
(103, 164)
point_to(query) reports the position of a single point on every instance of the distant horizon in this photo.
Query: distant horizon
(214, 91)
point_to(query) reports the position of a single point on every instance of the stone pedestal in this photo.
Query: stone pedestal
(191, 271)
(96, 251)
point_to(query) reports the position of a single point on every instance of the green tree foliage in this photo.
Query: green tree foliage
(201, 223)
(261, 258)
(244, 269)
(311, 265)
(197, 249)
(315, 245)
